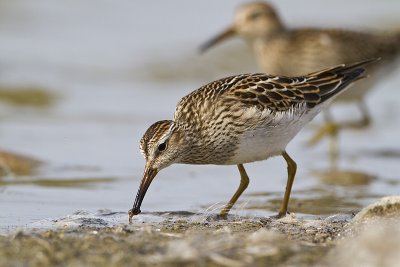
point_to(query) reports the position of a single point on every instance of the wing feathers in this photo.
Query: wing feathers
(280, 93)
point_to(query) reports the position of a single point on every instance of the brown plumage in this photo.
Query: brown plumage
(240, 119)
(284, 51)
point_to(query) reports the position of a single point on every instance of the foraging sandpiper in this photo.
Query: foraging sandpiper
(284, 51)
(241, 119)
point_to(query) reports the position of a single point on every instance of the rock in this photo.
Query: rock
(372, 238)
(386, 208)
(264, 243)
(377, 244)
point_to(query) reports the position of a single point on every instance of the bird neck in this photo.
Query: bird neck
(192, 147)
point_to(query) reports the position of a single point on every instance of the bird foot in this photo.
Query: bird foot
(222, 216)
(357, 125)
(280, 215)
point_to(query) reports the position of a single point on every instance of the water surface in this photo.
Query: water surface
(115, 68)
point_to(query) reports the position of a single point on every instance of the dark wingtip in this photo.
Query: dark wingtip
(339, 78)
(360, 64)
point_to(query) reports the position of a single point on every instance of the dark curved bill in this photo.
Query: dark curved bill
(148, 177)
(220, 37)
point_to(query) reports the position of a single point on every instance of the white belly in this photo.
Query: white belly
(270, 140)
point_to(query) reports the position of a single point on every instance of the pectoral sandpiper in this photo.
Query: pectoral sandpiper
(241, 119)
(284, 51)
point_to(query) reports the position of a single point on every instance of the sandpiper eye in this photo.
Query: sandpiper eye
(255, 15)
(162, 146)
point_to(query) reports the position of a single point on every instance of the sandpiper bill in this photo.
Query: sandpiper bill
(286, 51)
(241, 119)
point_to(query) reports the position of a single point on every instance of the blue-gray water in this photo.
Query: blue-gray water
(116, 67)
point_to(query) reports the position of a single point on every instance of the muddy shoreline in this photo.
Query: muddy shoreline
(187, 239)
(233, 242)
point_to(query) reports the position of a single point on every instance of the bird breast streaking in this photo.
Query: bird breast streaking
(241, 119)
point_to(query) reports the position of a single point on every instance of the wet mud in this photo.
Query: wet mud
(176, 240)
(189, 239)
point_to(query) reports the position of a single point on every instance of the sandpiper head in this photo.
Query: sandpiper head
(252, 21)
(161, 146)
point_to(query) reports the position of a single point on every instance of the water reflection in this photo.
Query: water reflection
(314, 201)
(12, 164)
(58, 182)
(344, 177)
(26, 96)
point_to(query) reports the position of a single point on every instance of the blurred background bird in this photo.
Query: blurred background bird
(281, 50)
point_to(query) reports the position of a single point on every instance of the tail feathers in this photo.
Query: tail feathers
(343, 82)
(334, 80)
(342, 68)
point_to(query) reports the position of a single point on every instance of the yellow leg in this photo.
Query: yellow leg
(366, 120)
(333, 140)
(334, 150)
(360, 124)
(291, 167)
(244, 182)
(331, 128)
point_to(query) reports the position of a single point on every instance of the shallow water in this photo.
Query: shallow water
(118, 67)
